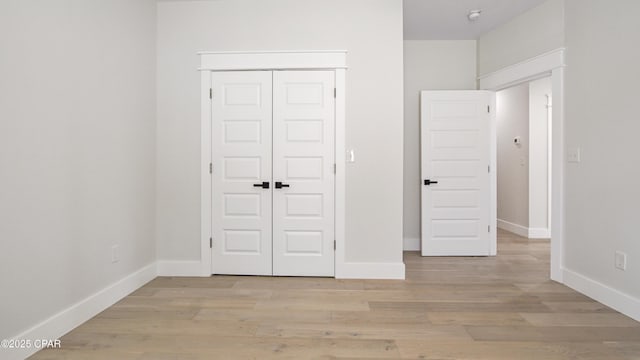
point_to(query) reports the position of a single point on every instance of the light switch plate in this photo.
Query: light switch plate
(621, 260)
(573, 155)
(351, 156)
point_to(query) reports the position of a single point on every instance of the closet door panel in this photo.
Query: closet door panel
(242, 160)
(303, 162)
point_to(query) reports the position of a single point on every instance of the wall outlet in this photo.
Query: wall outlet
(115, 253)
(621, 260)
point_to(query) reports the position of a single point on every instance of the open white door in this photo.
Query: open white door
(241, 134)
(303, 173)
(456, 186)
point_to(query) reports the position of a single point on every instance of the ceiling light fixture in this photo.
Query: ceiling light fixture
(474, 14)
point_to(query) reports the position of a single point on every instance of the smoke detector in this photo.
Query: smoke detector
(474, 14)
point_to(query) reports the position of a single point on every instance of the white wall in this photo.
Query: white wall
(374, 107)
(512, 118)
(602, 192)
(539, 117)
(428, 65)
(77, 140)
(535, 32)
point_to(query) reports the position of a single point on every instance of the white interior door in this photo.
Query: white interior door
(303, 173)
(456, 210)
(242, 162)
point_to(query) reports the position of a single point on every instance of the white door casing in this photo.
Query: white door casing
(304, 163)
(551, 64)
(241, 157)
(455, 166)
(212, 62)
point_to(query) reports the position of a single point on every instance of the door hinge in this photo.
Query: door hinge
(335, 93)
(210, 93)
(335, 169)
(489, 108)
(210, 243)
(488, 228)
(334, 245)
(210, 168)
(488, 168)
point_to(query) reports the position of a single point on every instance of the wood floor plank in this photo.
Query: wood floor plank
(364, 318)
(371, 331)
(573, 319)
(477, 318)
(164, 314)
(630, 350)
(314, 300)
(168, 327)
(264, 315)
(589, 306)
(214, 293)
(495, 306)
(293, 283)
(554, 333)
(222, 282)
(479, 350)
(159, 303)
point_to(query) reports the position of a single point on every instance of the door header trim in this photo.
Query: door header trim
(272, 60)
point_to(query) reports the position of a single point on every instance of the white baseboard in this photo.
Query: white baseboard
(180, 268)
(611, 297)
(393, 271)
(514, 228)
(411, 244)
(539, 233)
(344, 271)
(529, 233)
(66, 320)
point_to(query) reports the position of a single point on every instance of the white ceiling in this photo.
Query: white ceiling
(447, 19)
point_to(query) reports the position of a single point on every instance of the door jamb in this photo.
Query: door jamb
(206, 179)
(334, 60)
(548, 64)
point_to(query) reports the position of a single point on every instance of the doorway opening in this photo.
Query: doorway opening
(523, 134)
(551, 65)
(523, 159)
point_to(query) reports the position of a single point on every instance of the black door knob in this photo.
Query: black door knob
(280, 185)
(264, 185)
(429, 182)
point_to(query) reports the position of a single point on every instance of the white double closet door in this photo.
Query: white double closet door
(273, 172)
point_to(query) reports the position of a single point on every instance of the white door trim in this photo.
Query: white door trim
(553, 64)
(206, 180)
(272, 60)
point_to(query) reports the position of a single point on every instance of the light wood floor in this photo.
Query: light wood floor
(448, 308)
